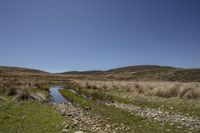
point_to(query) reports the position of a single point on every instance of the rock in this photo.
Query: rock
(75, 123)
(108, 119)
(115, 125)
(64, 131)
(123, 127)
(108, 126)
(66, 126)
(174, 118)
(87, 108)
(97, 129)
(63, 114)
(182, 119)
(69, 114)
(78, 132)
(127, 129)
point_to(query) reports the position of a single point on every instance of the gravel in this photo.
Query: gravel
(85, 121)
(161, 116)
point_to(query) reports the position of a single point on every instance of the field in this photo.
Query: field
(105, 101)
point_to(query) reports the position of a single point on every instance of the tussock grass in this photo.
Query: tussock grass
(183, 90)
(24, 89)
(25, 94)
(179, 105)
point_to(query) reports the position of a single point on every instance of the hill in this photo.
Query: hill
(137, 73)
(6, 70)
(142, 72)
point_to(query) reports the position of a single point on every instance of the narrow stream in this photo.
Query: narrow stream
(56, 97)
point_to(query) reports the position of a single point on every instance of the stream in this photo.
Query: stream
(56, 96)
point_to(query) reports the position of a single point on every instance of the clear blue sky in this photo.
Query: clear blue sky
(63, 35)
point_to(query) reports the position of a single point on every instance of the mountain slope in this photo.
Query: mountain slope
(6, 70)
(137, 73)
(142, 72)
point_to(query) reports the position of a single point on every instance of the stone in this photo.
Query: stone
(108, 119)
(108, 126)
(87, 108)
(66, 126)
(168, 130)
(64, 131)
(182, 119)
(78, 132)
(69, 114)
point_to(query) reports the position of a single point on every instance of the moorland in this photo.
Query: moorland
(145, 98)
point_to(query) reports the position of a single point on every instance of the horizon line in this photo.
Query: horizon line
(99, 69)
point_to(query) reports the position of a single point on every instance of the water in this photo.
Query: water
(56, 96)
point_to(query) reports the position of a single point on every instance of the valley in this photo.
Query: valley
(98, 101)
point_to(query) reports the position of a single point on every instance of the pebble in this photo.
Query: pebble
(64, 131)
(84, 120)
(161, 116)
(78, 132)
(66, 126)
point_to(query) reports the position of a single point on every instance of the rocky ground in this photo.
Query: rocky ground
(86, 121)
(162, 116)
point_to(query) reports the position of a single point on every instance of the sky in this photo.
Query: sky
(65, 35)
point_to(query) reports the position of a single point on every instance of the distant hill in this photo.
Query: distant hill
(5, 70)
(83, 72)
(137, 73)
(142, 72)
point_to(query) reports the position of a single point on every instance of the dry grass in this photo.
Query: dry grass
(186, 90)
(24, 89)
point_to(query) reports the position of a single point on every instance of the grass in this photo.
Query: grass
(140, 73)
(182, 106)
(117, 115)
(26, 93)
(189, 90)
(29, 117)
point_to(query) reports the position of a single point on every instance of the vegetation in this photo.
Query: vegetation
(28, 117)
(189, 90)
(140, 73)
(183, 106)
(136, 123)
(143, 86)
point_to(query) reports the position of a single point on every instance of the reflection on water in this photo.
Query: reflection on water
(56, 96)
